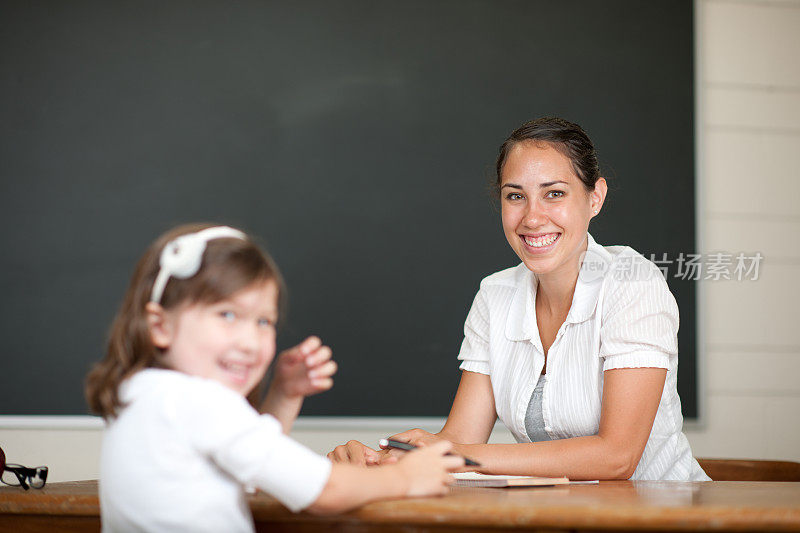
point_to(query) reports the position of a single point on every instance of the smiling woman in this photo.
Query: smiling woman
(575, 349)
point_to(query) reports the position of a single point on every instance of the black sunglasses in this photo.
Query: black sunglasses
(21, 476)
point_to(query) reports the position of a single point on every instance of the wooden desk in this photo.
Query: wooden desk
(613, 505)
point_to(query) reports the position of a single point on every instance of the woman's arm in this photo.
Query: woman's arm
(630, 401)
(473, 413)
(471, 420)
(637, 339)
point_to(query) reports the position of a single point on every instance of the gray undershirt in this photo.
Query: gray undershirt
(534, 420)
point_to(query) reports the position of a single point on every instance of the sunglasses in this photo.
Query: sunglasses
(21, 476)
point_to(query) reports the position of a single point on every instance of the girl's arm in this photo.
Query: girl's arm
(630, 401)
(283, 407)
(300, 371)
(420, 473)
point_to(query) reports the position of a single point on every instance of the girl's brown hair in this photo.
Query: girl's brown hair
(229, 265)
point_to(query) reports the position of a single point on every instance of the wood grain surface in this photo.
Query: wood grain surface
(613, 505)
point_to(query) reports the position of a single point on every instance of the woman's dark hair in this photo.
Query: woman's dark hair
(566, 137)
(229, 265)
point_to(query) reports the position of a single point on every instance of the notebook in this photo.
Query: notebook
(474, 479)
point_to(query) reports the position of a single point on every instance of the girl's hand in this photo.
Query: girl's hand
(305, 369)
(426, 470)
(357, 453)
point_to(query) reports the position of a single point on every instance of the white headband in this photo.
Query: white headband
(181, 258)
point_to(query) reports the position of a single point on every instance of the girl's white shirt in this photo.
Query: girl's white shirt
(622, 316)
(181, 452)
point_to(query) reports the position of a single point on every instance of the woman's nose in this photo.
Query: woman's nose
(534, 216)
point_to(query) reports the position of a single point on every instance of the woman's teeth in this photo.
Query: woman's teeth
(539, 242)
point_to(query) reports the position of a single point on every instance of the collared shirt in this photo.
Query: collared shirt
(178, 456)
(622, 316)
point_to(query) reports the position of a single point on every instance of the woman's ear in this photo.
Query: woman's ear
(159, 324)
(598, 195)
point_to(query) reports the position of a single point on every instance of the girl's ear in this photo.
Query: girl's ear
(159, 325)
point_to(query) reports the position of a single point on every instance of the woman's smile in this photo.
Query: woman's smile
(540, 243)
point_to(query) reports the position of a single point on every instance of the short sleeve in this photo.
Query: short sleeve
(639, 327)
(474, 352)
(252, 448)
(262, 456)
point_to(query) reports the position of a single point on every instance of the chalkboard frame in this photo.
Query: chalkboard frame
(60, 154)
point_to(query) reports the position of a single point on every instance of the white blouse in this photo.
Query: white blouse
(622, 316)
(180, 454)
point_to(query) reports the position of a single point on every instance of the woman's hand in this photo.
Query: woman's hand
(305, 369)
(357, 453)
(421, 439)
(418, 437)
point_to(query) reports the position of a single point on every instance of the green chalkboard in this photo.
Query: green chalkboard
(355, 138)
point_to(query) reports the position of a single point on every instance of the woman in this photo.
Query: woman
(576, 348)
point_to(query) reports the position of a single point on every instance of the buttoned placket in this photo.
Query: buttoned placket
(545, 389)
(536, 341)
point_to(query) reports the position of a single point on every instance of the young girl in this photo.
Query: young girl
(192, 339)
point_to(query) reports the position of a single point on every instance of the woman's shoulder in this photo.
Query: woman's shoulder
(622, 264)
(631, 277)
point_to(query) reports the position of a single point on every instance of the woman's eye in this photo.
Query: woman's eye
(554, 194)
(228, 316)
(513, 196)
